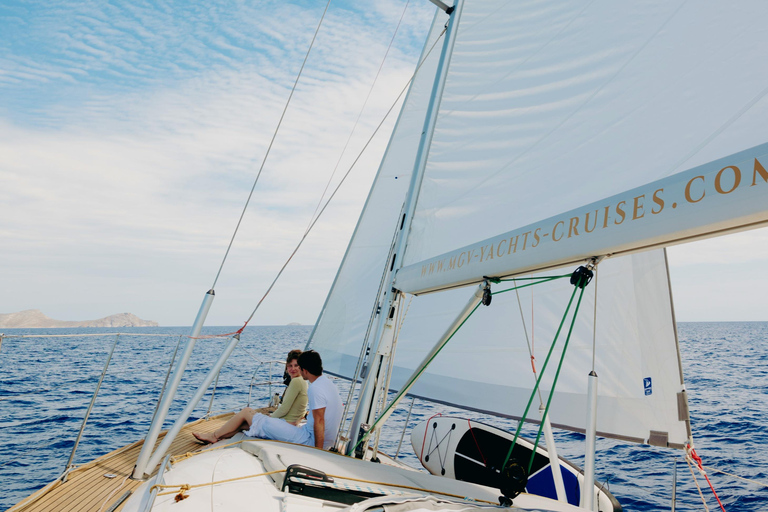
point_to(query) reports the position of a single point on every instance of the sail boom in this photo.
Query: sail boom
(725, 195)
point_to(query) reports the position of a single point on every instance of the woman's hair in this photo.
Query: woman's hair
(293, 354)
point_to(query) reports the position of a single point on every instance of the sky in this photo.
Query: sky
(131, 134)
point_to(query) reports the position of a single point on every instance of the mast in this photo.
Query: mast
(381, 346)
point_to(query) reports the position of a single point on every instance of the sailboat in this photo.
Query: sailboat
(544, 157)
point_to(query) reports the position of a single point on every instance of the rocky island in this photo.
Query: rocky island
(35, 319)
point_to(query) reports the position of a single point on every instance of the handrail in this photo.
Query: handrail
(253, 377)
(159, 480)
(405, 427)
(90, 407)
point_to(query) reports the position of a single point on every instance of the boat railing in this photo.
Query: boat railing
(269, 382)
(271, 367)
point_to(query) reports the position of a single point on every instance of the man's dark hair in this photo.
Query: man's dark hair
(311, 361)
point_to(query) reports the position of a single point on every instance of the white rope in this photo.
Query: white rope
(695, 481)
(737, 477)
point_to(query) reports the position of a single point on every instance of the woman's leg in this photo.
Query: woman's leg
(235, 424)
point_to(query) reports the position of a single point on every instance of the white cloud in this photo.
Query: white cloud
(721, 279)
(123, 199)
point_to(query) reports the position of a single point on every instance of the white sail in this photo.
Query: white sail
(551, 108)
(554, 110)
(499, 160)
(345, 317)
(486, 365)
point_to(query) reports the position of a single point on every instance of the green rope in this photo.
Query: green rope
(554, 383)
(541, 280)
(531, 278)
(538, 380)
(411, 381)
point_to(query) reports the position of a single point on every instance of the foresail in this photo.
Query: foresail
(486, 366)
(341, 328)
(564, 127)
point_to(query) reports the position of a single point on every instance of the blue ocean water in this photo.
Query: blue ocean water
(47, 383)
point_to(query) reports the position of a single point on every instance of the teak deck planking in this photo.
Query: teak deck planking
(88, 490)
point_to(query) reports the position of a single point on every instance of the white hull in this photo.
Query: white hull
(249, 475)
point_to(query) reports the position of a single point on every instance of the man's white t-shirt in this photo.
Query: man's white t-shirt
(324, 393)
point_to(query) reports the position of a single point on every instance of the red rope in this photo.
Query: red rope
(424, 441)
(207, 336)
(697, 460)
(476, 444)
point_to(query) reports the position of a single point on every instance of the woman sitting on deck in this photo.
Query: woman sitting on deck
(292, 410)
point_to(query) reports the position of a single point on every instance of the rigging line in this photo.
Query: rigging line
(138, 334)
(362, 109)
(527, 340)
(343, 179)
(737, 477)
(554, 381)
(413, 379)
(269, 148)
(594, 324)
(696, 481)
(543, 280)
(364, 344)
(538, 380)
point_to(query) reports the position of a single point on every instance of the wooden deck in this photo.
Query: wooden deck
(87, 489)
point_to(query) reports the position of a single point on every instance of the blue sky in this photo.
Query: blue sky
(130, 135)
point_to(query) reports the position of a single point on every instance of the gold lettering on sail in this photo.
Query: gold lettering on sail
(499, 253)
(572, 227)
(736, 180)
(554, 234)
(586, 222)
(688, 196)
(684, 192)
(658, 201)
(536, 237)
(637, 211)
(761, 170)
(525, 238)
(620, 211)
(513, 245)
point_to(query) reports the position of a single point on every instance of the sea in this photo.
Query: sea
(47, 383)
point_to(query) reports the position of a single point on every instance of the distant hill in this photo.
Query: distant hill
(35, 319)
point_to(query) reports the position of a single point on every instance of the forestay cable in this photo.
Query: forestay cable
(269, 148)
(360, 114)
(343, 179)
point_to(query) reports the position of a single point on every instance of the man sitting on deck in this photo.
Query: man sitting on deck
(323, 420)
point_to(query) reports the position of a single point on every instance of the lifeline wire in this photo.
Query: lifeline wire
(269, 148)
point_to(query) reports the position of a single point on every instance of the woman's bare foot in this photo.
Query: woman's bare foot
(206, 437)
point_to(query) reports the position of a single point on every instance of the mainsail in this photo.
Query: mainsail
(558, 107)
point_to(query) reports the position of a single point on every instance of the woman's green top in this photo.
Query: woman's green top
(294, 405)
